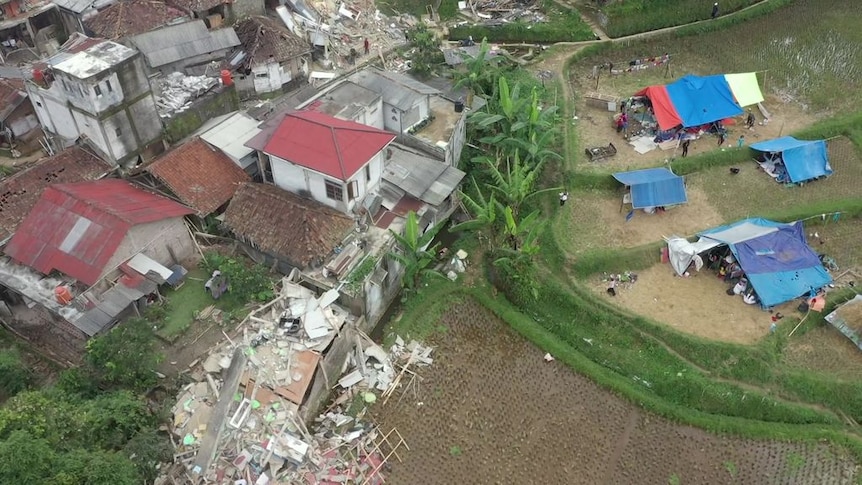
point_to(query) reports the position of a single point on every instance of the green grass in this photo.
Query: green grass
(636, 16)
(447, 10)
(563, 25)
(809, 51)
(185, 302)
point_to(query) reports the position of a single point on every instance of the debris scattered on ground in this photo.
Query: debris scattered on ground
(499, 12)
(240, 419)
(176, 92)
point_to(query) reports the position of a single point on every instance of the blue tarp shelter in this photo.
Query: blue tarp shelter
(653, 187)
(803, 160)
(692, 101)
(775, 257)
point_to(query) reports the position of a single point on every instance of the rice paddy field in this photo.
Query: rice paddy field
(626, 17)
(809, 52)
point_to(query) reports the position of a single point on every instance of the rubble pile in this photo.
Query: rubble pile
(239, 420)
(498, 12)
(178, 91)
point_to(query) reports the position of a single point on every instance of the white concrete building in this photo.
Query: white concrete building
(98, 90)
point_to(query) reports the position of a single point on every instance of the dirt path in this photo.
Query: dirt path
(514, 418)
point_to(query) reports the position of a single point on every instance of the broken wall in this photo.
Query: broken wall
(49, 333)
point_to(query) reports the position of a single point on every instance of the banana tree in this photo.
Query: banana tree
(515, 185)
(480, 73)
(484, 212)
(414, 252)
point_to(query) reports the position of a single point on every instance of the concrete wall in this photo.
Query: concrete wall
(82, 94)
(160, 240)
(299, 180)
(220, 101)
(398, 121)
(22, 119)
(267, 77)
(450, 155)
(51, 109)
(53, 336)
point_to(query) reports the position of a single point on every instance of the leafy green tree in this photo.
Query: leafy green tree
(513, 123)
(246, 282)
(484, 212)
(15, 376)
(426, 53)
(516, 184)
(125, 356)
(413, 252)
(479, 73)
(146, 450)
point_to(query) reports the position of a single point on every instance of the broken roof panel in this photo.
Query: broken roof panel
(76, 228)
(20, 192)
(132, 17)
(177, 42)
(201, 176)
(394, 93)
(12, 94)
(263, 38)
(285, 225)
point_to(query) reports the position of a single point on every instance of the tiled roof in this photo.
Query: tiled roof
(132, 17)
(320, 142)
(76, 228)
(285, 225)
(262, 37)
(196, 5)
(19, 193)
(201, 176)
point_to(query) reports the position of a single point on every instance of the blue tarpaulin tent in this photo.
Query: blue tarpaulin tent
(653, 187)
(803, 160)
(693, 101)
(775, 257)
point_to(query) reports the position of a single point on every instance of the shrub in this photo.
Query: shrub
(15, 376)
(247, 282)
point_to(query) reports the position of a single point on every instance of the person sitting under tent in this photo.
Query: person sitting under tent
(740, 286)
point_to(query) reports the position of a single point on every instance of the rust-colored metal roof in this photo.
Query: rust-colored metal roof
(285, 225)
(132, 17)
(196, 5)
(200, 175)
(19, 193)
(263, 37)
(12, 94)
(76, 228)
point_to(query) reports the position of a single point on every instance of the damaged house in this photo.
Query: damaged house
(229, 133)
(272, 58)
(218, 12)
(97, 90)
(28, 29)
(18, 121)
(188, 48)
(85, 254)
(127, 18)
(198, 175)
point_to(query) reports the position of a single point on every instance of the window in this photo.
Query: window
(97, 90)
(334, 191)
(118, 131)
(38, 104)
(108, 85)
(352, 190)
(368, 173)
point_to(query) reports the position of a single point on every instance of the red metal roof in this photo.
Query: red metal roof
(328, 145)
(76, 228)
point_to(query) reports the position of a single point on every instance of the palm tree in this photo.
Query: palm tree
(414, 253)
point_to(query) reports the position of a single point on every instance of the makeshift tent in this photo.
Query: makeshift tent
(653, 187)
(803, 160)
(775, 257)
(694, 100)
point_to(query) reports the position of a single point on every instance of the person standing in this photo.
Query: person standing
(367, 46)
(685, 145)
(741, 141)
(749, 121)
(564, 196)
(715, 11)
(722, 136)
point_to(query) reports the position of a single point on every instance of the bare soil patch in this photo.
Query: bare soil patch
(697, 305)
(825, 350)
(598, 220)
(491, 410)
(595, 127)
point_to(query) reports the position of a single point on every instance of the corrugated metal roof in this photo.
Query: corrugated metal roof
(407, 81)
(333, 147)
(12, 95)
(392, 92)
(420, 176)
(81, 6)
(231, 135)
(76, 228)
(177, 42)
